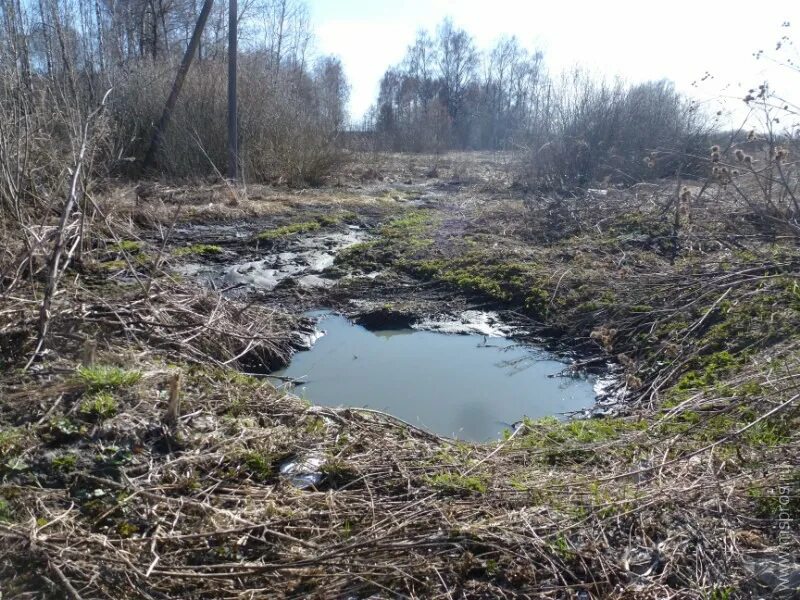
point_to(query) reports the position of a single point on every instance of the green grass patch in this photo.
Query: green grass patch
(550, 431)
(412, 221)
(129, 246)
(114, 265)
(475, 273)
(126, 529)
(198, 250)
(319, 222)
(713, 368)
(10, 441)
(566, 442)
(453, 482)
(288, 230)
(342, 217)
(233, 377)
(100, 405)
(64, 463)
(97, 378)
(258, 464)
(780, 500)
(5, 510)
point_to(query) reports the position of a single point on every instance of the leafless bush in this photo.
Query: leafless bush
(613, 132)
(755, 168)
(51, 144)
(760, 173)
(289, 123)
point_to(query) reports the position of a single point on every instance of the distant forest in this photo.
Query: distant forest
(59, 59)
(446, 94)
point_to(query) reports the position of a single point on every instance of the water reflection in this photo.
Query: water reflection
(455, 385)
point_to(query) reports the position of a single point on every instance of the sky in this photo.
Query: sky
(678, 39)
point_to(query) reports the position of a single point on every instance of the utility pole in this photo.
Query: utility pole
(233, 134)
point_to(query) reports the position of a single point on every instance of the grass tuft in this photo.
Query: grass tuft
(98, 378)
(100, 405)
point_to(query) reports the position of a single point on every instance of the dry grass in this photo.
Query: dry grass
(635, 507)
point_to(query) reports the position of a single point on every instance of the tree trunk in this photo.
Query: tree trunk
(179, 79)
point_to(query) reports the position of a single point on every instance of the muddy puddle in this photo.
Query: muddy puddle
(458, 378)
(302, 262)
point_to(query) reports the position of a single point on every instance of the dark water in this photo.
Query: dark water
(464, 386)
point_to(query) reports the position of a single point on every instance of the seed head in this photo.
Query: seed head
(739, 154)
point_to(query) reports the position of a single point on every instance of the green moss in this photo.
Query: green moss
(64, 463)
(5, 511)
(198, 250)
(288, 230)
(712, 368)
(259, 464)
(411, 221)
(126, 529)
(129, 246)
(100, 405)
(537, 301)
(113, 265)
(329, 220)
(641, 308)
(453, 482)
(749, 388)
(10, 441)
(98, 378)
